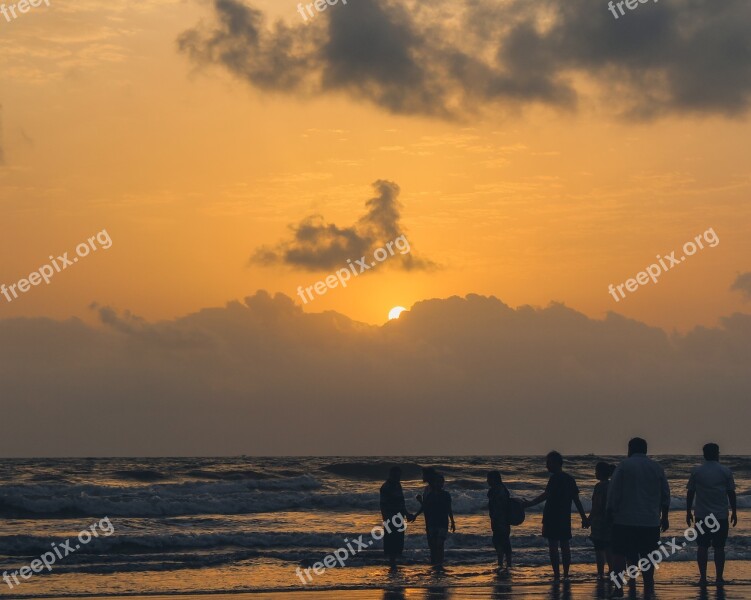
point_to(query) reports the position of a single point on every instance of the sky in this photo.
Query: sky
(218, 158)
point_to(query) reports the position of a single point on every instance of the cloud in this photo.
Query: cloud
(451, 376)
(449, 60)
(742, 284)
(317, 245)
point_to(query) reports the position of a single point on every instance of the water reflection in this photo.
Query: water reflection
(394, 594)
(560, 590)
(501, 589)
(709, 593)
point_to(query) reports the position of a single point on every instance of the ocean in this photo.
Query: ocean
(210, 525)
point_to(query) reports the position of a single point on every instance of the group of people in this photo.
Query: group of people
(630, 508)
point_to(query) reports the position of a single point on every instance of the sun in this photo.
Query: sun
(395, 312)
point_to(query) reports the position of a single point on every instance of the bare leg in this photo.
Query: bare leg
(431, 545)
(619, 566)
(702, 556)
(719, 563)
(600, 560)
(566, 552)
(554, 558)
(649, 580)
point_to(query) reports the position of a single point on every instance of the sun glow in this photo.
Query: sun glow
(395, 312)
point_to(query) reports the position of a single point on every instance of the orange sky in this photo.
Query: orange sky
(106, 125)
(537, 152)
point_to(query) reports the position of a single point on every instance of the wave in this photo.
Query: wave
(224, 497)
(372, 471)
(230, 475)
(141, 475)
(229, 497)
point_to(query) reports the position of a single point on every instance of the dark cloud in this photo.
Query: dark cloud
(452, 376)
(742, 284)
(451, 59)
(317, 245)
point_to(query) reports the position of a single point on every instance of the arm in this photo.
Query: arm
(541, 498)
(665, 503)
(419, 512)
(734, 507)
(733, 499)
(403, 508)
(451, 517)
(582, 514)
(690, 495)
(421, 499)
(689, 506)
(614, 493)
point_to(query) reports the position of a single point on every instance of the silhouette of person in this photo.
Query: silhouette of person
(599, 521)
(393, 505)
(639, 502)
(560, 492)
(438, 513)
(498, 507)
(712, 485)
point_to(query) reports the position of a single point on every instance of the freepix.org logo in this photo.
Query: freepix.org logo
(62, 262)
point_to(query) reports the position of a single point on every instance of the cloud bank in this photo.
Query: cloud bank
(316, 245)
(452, 376)
(451, 59)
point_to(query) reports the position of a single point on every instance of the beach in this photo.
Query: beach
(191, 527)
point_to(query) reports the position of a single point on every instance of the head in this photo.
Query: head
(494, 478)
(437, 483)
(603, 470)
(711, 452)
(554, 461)
(428, 474)
(637, 446)
(395, 473)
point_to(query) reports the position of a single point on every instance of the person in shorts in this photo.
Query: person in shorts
(713, 487)
(498, 507)
(438, 513)
(638, 503)
(560, 492)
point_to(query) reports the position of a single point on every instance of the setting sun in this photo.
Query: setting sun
(395, 312)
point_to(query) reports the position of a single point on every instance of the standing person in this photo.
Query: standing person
(498, 507)
(639, 503)
(560, 492)
(392, 504)
(437, 505)
(712, 485)
(599, 521)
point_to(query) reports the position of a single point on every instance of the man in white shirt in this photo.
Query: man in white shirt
(639, 503)
(712, 485)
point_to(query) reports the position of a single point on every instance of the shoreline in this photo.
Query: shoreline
(507, 588)
(496, 590)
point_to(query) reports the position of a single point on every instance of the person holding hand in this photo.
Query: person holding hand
(560, 492)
